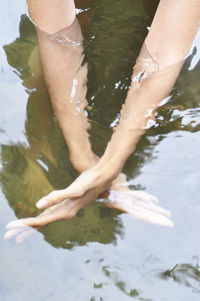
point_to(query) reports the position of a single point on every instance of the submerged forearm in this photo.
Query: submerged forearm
(60, 45)
(142, 101)
(153, 78)
(66, 81)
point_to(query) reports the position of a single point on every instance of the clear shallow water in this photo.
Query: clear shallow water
(101, 254)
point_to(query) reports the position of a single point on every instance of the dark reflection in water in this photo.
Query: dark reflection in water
(184, 274)
(120, 284)
(111, 56)
(30, 172)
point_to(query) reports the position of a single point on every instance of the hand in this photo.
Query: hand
(139, 204)
(23, 228)
(63, 204)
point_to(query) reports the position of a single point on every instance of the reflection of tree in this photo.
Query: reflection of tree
(30, 172)
(112, 44)
(185, 274)
(113, 41)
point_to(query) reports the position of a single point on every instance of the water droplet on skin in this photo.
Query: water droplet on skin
(63, 39)
(86, 113)
(164, 101)
(73, 92)
(139, 76)
(149, 124)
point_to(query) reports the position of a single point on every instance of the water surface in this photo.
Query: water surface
(101, 254)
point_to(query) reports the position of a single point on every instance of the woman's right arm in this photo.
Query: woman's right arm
(52, 15)
(61, 54)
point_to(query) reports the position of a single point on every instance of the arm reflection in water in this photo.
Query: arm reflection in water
(157, 68)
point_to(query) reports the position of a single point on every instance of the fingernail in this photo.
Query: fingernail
(42, 204)
(15, 224)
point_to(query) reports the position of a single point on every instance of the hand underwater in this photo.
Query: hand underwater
(64, 204)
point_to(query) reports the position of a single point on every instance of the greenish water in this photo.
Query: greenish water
(101, 254)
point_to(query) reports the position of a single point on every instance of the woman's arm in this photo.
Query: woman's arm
(167, 44)
(154, 75)
(52, 15)
(158, 66)
(61, 54)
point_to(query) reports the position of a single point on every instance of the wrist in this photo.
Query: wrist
(121, 146)
(107, 171)
(83, 161)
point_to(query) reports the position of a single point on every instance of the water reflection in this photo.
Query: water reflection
(185, 274)
(44, 165)
(30, 172)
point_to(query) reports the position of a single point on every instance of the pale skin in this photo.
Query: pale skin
(154, 75)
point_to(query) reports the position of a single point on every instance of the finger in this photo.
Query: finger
(127, 205)
(13, 232)
(16, 224)
(66, 203)
(147, 201)
(139, 208)
(143, 214)
(39, 221)
(148, 205)
(54, 197)
(151, 217)
(30, 222)
(140, 199)
(23, 235)
(142, 195)
(75, 190)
